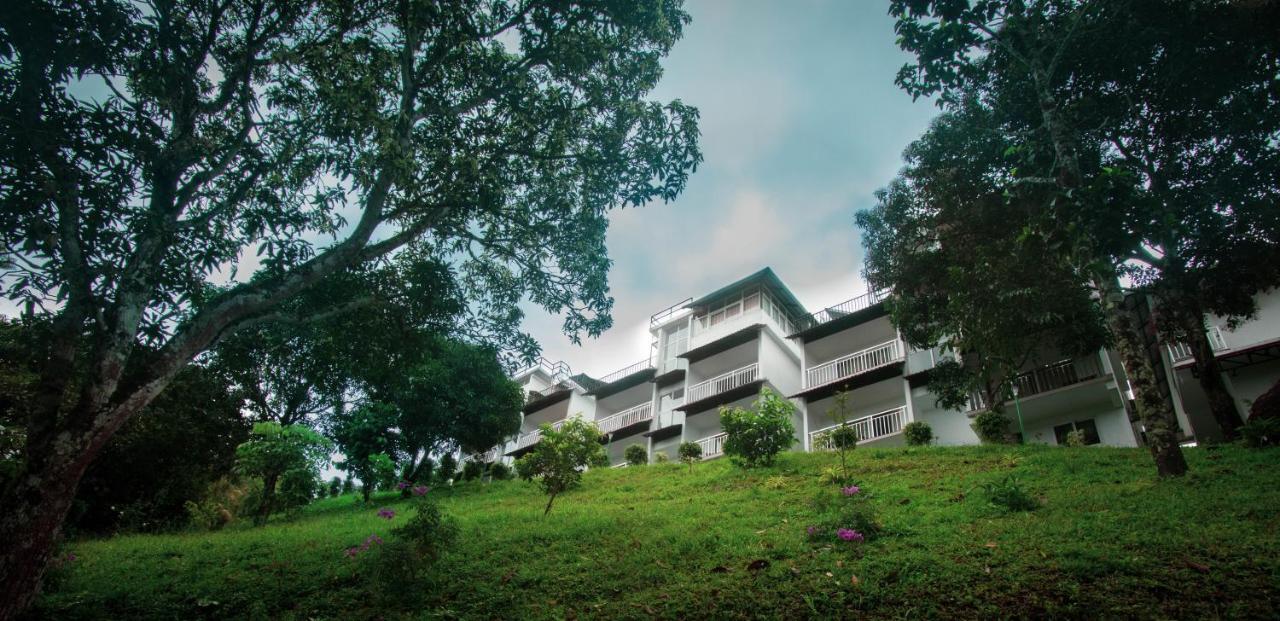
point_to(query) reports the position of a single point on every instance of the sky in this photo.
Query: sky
(800, 123)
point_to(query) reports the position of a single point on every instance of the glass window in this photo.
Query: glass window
(732, 310)
(717, 317)
(751, 301)
(1087, 426)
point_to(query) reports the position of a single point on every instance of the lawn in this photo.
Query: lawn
(1109, 540)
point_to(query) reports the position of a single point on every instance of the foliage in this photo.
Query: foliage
(447, 468)
(661, 457)
(918, 433)
(992, 427)
(842, 517)
(382, 474)
(472, 470)
(1075, 438)
(1260, 432)
(835, 475)
(367, 439)
(499, 471)
(222, 503)
(690, 453)
(274, 450)
(1008, 494)
(335, 487)
(428, 531)
(302, 142)
(844, 437)
(756, 436)
(636, 455)
(931, 522)
(559, 457)
(347, 486)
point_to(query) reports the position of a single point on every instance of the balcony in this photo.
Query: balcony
(713, 446)
(627, 371)
(736, 378)
(488, 456)
(1181, 352)
(853, 364)
(869, 428)
(1047, 378)
(843, 309)
(626, 418)
(527, 440)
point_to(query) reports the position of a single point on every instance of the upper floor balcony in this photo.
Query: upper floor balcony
(1047, 378)
(854, 364)
(1181, 352)
(723, 383)
(631, 419)
(526, 440)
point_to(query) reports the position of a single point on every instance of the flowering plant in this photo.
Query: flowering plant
(386, 513)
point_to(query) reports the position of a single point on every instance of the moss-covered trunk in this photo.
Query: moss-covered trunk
(1209, 375)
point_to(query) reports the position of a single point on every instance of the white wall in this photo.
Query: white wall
(950, 427)
(1263, 327)
(779, 364)
(1112, 423)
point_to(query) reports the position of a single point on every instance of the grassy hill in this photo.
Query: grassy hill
(1108, 540)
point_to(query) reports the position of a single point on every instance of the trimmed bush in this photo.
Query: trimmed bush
(690, 452)
(661, 458)
(636, 455)
(499, 471)
(918, 433)
(756, 436)
(991, 427)
(472, 470)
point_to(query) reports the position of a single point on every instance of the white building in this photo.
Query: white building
(720, 349)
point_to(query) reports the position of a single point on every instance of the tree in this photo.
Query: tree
(560, 456)
(307, 139)
(951, 241)
(756, 436)
(447, 468)
(843, 438)
(361, 436)
(1065, 91)
(274, 451)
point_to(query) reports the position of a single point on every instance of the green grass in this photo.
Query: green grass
(1109, 540)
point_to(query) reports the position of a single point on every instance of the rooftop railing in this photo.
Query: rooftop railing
(668, 312)
(847, 307)
(558, 370)
(630, 369)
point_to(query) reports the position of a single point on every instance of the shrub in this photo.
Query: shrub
(1260, 432)
(756, 436)
(991, 427)
(223, 502)
(335, 487)
(636, 455)
(499, 471)
(842, 515)
(918, 433)
(472, 470)
(428, 532)
(843, 438)
(557, 460)
(347, 486)
(834, 475)
(690, 452)
(447, 468)
(1009, 495)
(1075, 438)
(297, 488)
(661, 458)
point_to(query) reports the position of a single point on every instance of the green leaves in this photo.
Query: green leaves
(756, 436)
(560, 456)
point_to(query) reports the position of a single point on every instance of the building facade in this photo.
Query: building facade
(720, 349)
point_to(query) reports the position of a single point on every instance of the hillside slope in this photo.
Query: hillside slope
(1108, 540)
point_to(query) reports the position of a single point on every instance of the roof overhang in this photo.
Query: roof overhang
(674, 375)
(765, 278)
(670, 431)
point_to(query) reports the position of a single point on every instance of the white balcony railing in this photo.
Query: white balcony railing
(723, 383)
(1048, 377)
(621, 465)
(854, 364)
(713, 446)
(1179, 352)
(488, 456)
(531, 438)
(630, 369)
(626, 418)
(869, 428)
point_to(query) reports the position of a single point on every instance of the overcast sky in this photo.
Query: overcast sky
(801, 123)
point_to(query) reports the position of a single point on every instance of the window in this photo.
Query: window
(751, 302)
(1087, 426)
(732, 310)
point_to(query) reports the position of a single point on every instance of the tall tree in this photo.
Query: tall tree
(361, 436)
(1055, 75)
(316, 137)
(275, 452)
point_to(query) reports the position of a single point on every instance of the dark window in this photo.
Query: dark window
(1090, 431)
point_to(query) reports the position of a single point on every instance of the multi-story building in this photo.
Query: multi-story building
(720, 349)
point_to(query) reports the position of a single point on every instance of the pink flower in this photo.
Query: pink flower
(402, 485)
(849, 534)
(851, 490)
(420, 490)
(352, 552)
(386, 513)
(811, 530)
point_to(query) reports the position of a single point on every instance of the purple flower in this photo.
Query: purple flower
(849, 534)
(420, 490)
(386, 513)
(402, 485)
(373, 539)
(352, 552)
(71, 557)
(811, 530)
(851, 490)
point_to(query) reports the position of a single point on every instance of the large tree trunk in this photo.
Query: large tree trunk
(1154, 409)
(31, 524)
(1221, 404)
(268, 498)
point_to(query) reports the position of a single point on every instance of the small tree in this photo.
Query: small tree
(347, 486)
(918, 433)
(274, 450)
(472, 470)
(636, 455)
(335, 487)
(690, 452)
(362, 435)
(448, 468)
(558, 459)
(756, 436)
(843, 438)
